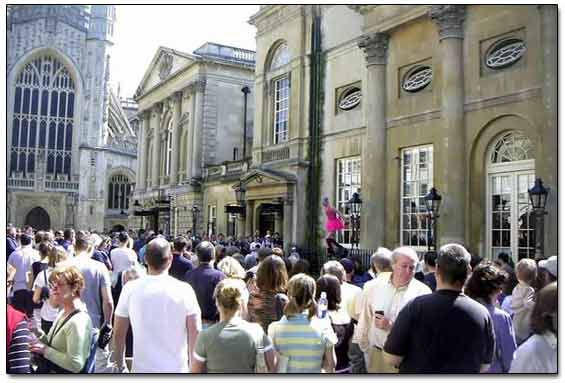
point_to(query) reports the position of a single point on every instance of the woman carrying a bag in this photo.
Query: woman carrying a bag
(232, 345)
(66, 348)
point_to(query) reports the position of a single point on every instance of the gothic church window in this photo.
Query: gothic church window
(43, 118)
(119, 190)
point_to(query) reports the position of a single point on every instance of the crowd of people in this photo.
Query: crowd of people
(81, 302)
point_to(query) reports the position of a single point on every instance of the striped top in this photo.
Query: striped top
(18, 358)
(303, 341)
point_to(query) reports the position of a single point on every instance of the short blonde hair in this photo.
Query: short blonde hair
(228, 294)
(526, 270)
(71, 276)
(231, 268)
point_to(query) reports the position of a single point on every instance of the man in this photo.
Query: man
(148, 238)
(180, 265)
(547, 271)
(382, 301)
(380, 262)
(443, 332)
(430, 276)
(251, 258)
(11, 243)
(69, 241)
(140, 241)
(164, 316)
(203, 280)
(21, 260)
(97, 294)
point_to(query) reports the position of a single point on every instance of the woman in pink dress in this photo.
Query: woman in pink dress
(334, 222)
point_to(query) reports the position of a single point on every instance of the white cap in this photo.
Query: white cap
(550, 264)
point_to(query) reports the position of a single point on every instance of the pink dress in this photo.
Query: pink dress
(333, 222)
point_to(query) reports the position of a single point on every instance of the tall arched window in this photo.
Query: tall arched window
(167, 149)
(119, 190)
(281, 93)
(510, 173)
(43, 119)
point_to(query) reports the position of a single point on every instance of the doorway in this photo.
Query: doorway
(38, 218)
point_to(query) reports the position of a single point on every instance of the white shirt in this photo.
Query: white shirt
(157, 307)
(522, 305)
(22, 259)
(47, 312)
(122, 259)
(537, 355)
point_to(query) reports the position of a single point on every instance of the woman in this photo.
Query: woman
(233, 344)
(233, 269)
(538, 354)
(334, 223)
(66, 347)
(301, 340)
(48, 310)
(339, 319)
(122, 257)
(484, 286)
(266, 304)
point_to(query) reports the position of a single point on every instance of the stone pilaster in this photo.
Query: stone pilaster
(197, 145)
(249, 217)
(548, 156)
(373, 161)
(156, 114)
(451, 177)
(287, 223)
(142, 150)
(177, 99)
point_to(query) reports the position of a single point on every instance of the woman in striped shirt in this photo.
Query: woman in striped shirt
(299, 336)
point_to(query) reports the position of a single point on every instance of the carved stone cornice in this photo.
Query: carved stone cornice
(157, 108)
(362, 8)
(375, 46)
(449, 19)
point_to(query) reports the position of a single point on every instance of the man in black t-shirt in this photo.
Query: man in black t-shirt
(443, 332)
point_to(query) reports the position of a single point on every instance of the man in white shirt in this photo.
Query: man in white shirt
(381, 303)
(21, 260)
(122, 257)
(164, 316)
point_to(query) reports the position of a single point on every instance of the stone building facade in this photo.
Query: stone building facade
(391, 100)
(191, 110)
(67, 134)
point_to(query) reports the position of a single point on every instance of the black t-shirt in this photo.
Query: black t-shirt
(442, 332)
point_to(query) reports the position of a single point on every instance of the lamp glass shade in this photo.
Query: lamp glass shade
(240, 194)
(433, 201)
(355, 203)
(538, 195)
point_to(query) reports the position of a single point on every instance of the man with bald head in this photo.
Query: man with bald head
(164, 316)
(382, 300)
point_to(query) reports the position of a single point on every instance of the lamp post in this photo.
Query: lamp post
(195, 211)
(433, 201)
(538, 198)
(355, 203)
(245, 91)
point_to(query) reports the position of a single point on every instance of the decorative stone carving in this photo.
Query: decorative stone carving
(449, 19)
(375, 46)
(362, 8)
(165, 65)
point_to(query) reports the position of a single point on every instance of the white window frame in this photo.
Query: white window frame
(212, 220)
(348, 190)
(423, 212)
(281, 108)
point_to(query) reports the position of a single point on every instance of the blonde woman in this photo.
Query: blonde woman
(233, 269)
(302, 340)
(233, 344)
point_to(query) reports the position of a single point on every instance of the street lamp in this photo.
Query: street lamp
(245, 91)
(433, 201)
(355, 203)
(240, 194)
(538, 198)
(195, 211)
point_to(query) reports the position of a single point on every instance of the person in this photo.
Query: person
(181, 264)
(140, 241)
(380, 262)
(294, 255)
(334, 222)
(381, 303)
(18, 341)
(204, 280)
(98, 253)
(163, 343)
(523, 298)
(266, 304)
(484, 285)
(122, 257)
(68, 243)
(302, 266)
(360, 276)
(446, 331)
(430, 277)
(547, 269)
(149, 236)
(505, 297)
(66, 347)
(11, 242)
(233, 344)
(48, 311)
(232, 269)
(219, 254)
(300, 339)
(21, 260)
(538, 354)
(340, 321)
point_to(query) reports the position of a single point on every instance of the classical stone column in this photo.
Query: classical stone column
(373, 161)
(288, 223)
(547, 159)
(249, 217)
(142, 151)
(452, 175)
(177, 99)
(197, 146)
(156, 165)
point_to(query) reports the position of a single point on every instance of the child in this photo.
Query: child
(523, 298)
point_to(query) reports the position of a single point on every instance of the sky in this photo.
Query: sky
(140, 30)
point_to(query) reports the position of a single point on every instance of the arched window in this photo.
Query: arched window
(43, 119)
(168, 149)
(281, 56)
(119, 191)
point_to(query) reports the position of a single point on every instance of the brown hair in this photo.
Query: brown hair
(526, 270)
(56, 255)
(272, 275)
(332, 287)
(301, 293)
(545, 310)
(71, 276)
(228, 294)
(485, 280)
